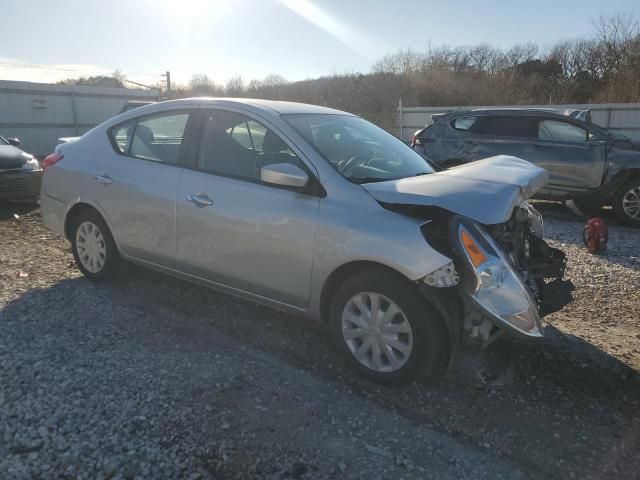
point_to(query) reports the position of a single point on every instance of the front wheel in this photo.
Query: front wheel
(385, 330)
(626, 202)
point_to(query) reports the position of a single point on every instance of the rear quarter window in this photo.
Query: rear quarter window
(463, 124)
(121, 137)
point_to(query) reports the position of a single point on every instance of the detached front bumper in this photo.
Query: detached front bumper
(19, 184)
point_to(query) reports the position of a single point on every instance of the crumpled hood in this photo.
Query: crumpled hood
(12, 157)
(486, 191)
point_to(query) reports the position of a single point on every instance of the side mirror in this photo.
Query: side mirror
(14, 141)
(284, 174)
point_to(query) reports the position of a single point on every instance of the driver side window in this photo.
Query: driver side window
(553, 130)
(237, 146)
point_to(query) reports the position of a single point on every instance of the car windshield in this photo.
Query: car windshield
(603, 132)
(3, 141)
(357, 149)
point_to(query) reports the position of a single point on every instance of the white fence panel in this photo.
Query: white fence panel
(39, 113)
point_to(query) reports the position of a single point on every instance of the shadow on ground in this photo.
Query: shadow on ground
(10, 209)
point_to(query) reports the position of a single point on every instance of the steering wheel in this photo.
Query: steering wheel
(361, 159)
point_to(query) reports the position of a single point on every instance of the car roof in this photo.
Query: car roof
(265, 106)
(516, 111)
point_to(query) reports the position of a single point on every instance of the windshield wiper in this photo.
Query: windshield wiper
(361, 180)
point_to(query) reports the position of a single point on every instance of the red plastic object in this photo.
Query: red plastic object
(595, 235)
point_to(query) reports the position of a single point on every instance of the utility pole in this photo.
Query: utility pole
(167, 75)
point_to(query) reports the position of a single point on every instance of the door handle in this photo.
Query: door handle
(199, 200)
(104, 179)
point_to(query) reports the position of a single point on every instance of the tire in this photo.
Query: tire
(91, 239)
(428, 354)
(624, 199)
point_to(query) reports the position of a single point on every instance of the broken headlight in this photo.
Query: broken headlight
(31, 165)
(534, 220)
(494, 284)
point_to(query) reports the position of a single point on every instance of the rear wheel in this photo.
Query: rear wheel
(93, 247)
(626, 202)
(385, 330)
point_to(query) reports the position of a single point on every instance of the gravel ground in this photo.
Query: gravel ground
(153, 377)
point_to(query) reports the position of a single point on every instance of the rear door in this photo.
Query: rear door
(500, 135)
(136, 184)
(575, 162)
(234, 230)
(474, 137)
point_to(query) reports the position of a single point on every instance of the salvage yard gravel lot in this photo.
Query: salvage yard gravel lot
(152, 377)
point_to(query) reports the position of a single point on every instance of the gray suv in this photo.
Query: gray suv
(585, 162)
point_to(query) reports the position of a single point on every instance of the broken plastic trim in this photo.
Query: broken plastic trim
(443, 277)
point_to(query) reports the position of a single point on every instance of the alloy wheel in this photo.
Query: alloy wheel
(631, 203)
(377, 332)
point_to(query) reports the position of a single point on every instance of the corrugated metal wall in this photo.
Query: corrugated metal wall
(39, 113)
(620, 118)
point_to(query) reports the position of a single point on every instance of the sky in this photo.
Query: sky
(48, 40)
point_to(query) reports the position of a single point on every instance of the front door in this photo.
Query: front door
(575, 162)
(234, 230)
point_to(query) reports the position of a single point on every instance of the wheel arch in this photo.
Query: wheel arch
(339, 275)
(632, 172)
(632, 181)
(73, 213)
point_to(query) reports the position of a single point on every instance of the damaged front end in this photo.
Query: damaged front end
(478, 216)
(505, 279)
(496, 281)
(500, 271)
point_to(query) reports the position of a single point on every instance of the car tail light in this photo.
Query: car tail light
(51, 160)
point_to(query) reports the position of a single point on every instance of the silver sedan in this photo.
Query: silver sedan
(313, 211)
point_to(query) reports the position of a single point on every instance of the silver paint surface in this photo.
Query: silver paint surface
(486, 191)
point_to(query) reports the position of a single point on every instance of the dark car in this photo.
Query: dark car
(586, 163)
(20, 172)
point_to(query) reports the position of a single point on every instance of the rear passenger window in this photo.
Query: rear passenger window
(463, 123)
(522, 127)
(159, 138)
(561, 132)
